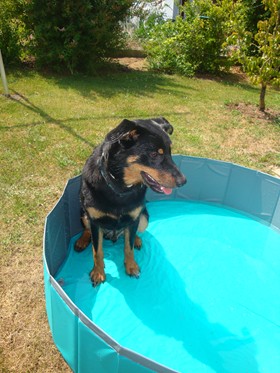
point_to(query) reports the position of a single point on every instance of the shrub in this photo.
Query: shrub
(147, 23)
(14, 36)
(76, 33)
(190, 44)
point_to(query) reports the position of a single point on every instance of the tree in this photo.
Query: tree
(263, 67)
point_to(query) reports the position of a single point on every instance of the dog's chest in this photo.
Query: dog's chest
(116, 220)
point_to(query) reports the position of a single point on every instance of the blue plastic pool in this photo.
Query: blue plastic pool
(208, 298)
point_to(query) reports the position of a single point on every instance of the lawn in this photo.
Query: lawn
(48, 128)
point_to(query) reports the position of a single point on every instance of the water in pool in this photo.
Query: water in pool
(207, 300)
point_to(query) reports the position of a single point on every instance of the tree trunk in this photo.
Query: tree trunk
(262, 96)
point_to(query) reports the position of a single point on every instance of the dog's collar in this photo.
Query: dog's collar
(110, 178)
(113, 177)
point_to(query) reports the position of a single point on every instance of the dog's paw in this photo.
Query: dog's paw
(97, 276)
(132, 268)
(81, 244)
(137, 243)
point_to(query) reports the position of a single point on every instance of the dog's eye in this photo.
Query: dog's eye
(153, 154)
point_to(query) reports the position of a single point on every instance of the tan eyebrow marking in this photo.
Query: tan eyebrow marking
(160, 151)
(132, 159)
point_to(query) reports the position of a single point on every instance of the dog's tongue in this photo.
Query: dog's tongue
(166, 190)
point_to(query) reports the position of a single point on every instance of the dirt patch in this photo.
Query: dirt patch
(132, 63)
(252, 112)
(243, 140)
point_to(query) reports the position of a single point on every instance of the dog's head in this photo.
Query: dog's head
(139, 152)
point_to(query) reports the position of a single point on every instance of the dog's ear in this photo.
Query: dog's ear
(125, 134)
(164, 124)
(125, 131)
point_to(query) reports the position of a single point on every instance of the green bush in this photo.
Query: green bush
(76, 33)
(147, 23)
(14, 36)
(190, 44)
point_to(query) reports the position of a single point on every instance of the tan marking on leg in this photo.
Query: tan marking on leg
(135, 213)
(143, 223)
(137, 243)
(86, 222)
(97, 274)
(131, 267)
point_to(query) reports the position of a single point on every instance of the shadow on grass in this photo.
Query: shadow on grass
(231, 79)
(109, 84)
(114, 82)
(22, 100)
(137, 84)
(131, 83)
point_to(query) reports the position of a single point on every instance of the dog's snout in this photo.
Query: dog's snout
(181, 180)
(178, 177)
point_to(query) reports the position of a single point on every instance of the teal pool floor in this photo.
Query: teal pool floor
(207, 300)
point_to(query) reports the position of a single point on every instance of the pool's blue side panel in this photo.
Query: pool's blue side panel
(63, 324)
(231, 185)
(47, 286)
(72, 205)
(56, 237)
(94, 354)
(128, 366)
(62, 223)
(276, 216)
(252, 192)
(207, 181)
(83, 350)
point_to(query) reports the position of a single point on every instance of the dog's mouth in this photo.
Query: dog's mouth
(153, 184)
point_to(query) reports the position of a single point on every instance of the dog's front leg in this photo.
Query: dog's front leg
(131, 266)
(97, 274)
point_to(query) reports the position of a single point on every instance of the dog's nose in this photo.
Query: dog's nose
(180, 180)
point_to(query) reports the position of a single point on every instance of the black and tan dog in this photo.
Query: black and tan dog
(135, 155)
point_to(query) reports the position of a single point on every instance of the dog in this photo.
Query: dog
(135, 155)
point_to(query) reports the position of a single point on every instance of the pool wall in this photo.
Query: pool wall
(84, 346)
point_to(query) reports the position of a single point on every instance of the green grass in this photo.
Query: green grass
(48, 130)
